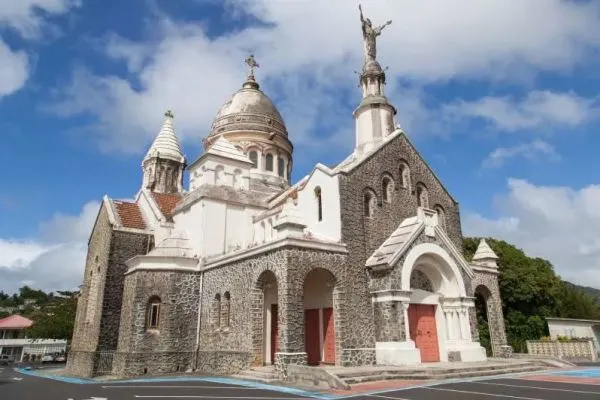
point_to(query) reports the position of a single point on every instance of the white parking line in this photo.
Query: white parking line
(176, 387)
(536, 387)
(385, 397)
(480, 393)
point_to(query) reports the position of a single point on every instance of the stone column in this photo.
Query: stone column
(390, 321)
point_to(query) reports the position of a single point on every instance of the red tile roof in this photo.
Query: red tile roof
(130, 214)
(166, 203)
(15, 322)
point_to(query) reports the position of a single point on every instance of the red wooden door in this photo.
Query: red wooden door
(328, 336)
(423, 330)
(274, 331)
(311, 336)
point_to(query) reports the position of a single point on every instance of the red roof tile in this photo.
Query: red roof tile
(166, 203)
(15, 322)
(130, 214)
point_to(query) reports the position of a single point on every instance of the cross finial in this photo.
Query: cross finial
(169, 114)
(251, 62)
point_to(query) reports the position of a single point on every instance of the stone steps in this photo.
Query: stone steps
(353, 378)
(260, 374)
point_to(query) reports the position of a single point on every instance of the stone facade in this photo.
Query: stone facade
(485, 284)
(99, 306)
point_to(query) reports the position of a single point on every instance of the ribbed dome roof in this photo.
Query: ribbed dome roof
(248, 109)
(166, 144)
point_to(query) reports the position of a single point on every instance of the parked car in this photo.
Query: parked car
(6, 359)
(60, 358)
(47, 358)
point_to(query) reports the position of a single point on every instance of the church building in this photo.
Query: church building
(356, 264)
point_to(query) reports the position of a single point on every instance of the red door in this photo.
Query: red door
(311, 336)
(274, 332)
(328, 336)
(423, 330)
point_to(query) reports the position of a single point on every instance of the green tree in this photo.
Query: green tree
(55, 320)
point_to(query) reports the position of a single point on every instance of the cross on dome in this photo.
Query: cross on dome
(169, 114)
(251, 62)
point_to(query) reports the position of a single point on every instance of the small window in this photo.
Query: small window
(422, 196)
(388, 189)
(269, 162)
(280, 167)
(254, 158)
(404, 175)
(369, 202)
(216, 311)
(319, 203)
(153, 313)
(226, 308)
(441, 216)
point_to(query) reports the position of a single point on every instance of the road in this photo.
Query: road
(16, 386)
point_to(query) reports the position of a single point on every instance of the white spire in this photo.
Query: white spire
(166, 143)
(485, 255)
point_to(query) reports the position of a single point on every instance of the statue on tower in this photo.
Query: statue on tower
(251, 62)
(370, 36)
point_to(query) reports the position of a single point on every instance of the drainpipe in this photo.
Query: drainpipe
(199, 316)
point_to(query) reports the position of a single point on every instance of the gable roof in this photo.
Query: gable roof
(390, 251)
(130, 214)
(15, 322)
(167, 203)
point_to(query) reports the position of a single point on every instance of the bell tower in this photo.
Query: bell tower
(164, 163)
(374, 115)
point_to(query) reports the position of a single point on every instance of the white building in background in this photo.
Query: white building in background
(15, 343)
(575, 328)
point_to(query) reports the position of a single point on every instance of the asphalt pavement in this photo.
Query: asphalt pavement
(17, 386)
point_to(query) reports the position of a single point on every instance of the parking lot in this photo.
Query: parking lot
(582, 386)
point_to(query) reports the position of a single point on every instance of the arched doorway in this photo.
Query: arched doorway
(265, 330)
(319, 324)
(437, 313)
(482, 296)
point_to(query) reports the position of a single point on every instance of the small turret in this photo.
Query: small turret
(485, 256)
(164, 163)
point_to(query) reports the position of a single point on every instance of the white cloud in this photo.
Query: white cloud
(28, 18)
(530, 151)
(560, 224)
(537, 109)
(179, 67)
(56, 260)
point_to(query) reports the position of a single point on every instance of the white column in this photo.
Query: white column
(406, 326)
(464, 323)
(448, 318)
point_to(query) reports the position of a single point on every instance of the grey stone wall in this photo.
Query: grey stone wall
(389, 321)
(486, 284)
(171, 347)
(86, 330)
(241, 343)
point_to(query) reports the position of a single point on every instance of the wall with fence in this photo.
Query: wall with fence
(567, 350)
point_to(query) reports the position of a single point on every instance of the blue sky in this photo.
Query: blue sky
(500, 97)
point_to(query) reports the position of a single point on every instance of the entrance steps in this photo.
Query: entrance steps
(438, 371)
(265, 374)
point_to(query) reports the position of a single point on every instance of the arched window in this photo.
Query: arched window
(319, 203)
(441, 216)
(388, 188)
(369, 203)
(269, 162)
(280, 166)
(404, 175)
(216, 311)
(237, 179)
(422, 196)
(225, 309)
(254, 158)
(153, 313)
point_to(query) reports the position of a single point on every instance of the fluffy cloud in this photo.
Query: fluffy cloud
(530, 151)
(557, 223)
(55, 260)
(306, 65)
(27, 17)
(538, 109)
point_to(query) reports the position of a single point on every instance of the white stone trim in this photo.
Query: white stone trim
(490, 270)
(163, 268)
(270, 246)
(457, 254)
(158, 215)
(133, 230)
(389, 295)
(429, 248)
(111, 213)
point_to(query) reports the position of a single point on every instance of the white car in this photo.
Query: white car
(47, 358)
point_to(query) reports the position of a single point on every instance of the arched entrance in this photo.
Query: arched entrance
(438, 308)
(482, 304)
(319, 324)
(265, 329)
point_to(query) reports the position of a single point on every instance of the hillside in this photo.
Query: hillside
(590, 291)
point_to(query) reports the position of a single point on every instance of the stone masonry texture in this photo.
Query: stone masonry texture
(486, 285)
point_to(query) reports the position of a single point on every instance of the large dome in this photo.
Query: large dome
(249, 109)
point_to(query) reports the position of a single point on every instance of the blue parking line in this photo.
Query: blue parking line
(581, 373)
